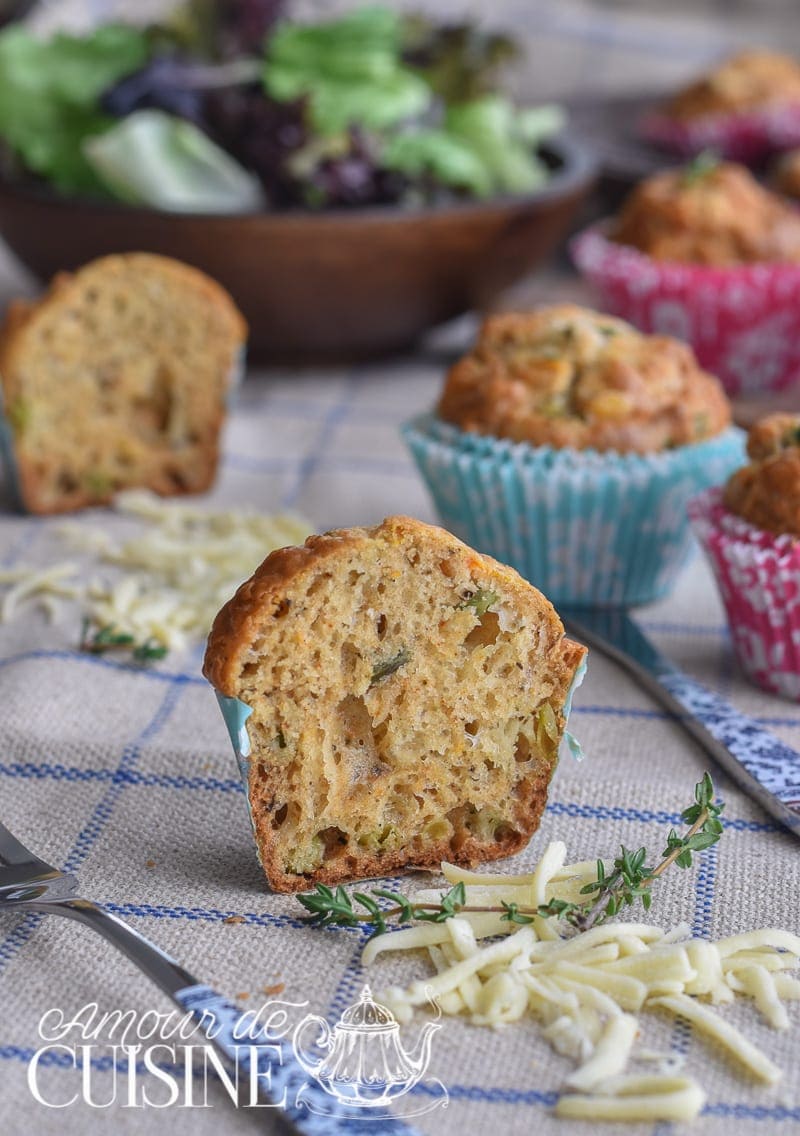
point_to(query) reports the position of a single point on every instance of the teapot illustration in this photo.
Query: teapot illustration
(364, 1063)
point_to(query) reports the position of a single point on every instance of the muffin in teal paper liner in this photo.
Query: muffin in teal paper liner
(576, 447)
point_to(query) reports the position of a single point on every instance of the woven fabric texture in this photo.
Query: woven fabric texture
(127, 777)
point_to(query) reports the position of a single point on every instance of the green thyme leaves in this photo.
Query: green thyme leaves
(628, 880)
(327, 907)
(700, 167)
(390, 665)
(481, 601)
(108, 638)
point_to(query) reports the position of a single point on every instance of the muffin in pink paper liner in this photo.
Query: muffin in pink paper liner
(744, 136)
(758, 575)
(707, 255)
(750, 530)
(745, 108)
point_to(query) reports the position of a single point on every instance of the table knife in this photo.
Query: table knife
(763, 766)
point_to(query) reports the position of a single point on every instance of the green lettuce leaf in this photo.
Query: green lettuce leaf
(486, 146)
(49, 91)
(446, 158)
(490, 127)
(350, 70)
(155, 159)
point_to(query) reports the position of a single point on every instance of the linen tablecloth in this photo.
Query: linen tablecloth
(126, 777)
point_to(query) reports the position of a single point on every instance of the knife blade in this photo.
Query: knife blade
(763, 766)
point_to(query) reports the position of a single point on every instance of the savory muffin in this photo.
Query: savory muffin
(566, 444)
(750, 530)
(118, 378)
(753, 78)
(566, 376)
(766, 492)
(709, 213)
(404, 700)
(785, 174)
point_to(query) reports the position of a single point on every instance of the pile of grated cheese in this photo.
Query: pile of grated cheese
(586, 990)
(169, 580)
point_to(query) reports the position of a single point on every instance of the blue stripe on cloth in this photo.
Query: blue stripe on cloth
(659, 627)
(93, 828)
(753, 1111)
(665, 715)
(87, 659)
(617, 812)
(380, 467)
(705, 881)
(193, 679)
(294, 410)
(313, 455)
(43, 770)
(91, 831)
(477, 1093)
(58, 772)
(203, 915)
(349, 985)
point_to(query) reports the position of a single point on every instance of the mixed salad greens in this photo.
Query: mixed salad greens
(231, 107)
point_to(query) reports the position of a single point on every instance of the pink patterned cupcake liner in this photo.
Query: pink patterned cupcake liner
(746, 136)
(743, 321)
(758, 575)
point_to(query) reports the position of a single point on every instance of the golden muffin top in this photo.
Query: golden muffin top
(567, 376)
(766, 492)
(748, 79)
(785, 175)
(709, 212)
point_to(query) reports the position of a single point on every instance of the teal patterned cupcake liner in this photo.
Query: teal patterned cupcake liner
(585, 527)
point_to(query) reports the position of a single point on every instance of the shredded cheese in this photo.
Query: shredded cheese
(587, 990)
(723, 1032)
(610, 1055)
(759, 983)
(168, 582)
(637, 1098)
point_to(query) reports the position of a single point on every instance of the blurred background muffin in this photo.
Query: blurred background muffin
(785, 174)
(564, 431)
(766, 492)
(709, 212)
(750, 530)
(707, 254)
(752, 78)
(117, 378)
(742, 107)
(566, 376)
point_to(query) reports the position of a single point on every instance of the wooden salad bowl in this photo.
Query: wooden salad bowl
(322, 286)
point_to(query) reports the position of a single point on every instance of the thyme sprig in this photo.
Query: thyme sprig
(700, 167)
(628, 880)
(336, 908)
(108, 638)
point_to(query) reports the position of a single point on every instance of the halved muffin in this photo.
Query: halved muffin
(403, 699)
(118, 378)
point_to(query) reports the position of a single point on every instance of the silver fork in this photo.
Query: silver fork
(29, 884)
